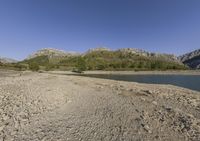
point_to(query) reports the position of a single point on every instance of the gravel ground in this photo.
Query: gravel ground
(50, 107)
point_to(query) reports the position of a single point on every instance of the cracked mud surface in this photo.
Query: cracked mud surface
(49, 107)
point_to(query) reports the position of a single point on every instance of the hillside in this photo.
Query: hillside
(51, 53)
(191, 59)
(8, 63)
(104, 59)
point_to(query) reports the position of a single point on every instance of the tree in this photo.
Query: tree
(140, 65)
(153, 65)
(81, 64)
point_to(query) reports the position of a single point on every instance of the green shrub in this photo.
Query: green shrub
(49, 67)
(81, 64)
(34, 66)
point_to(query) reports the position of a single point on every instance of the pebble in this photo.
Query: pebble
(169, 109)
(147, 128)
(101, 87)
(131, 90)
(1, 128)
(148, 91)
(154, 103)
(5, 117)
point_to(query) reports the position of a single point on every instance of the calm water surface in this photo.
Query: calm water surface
(187, 81)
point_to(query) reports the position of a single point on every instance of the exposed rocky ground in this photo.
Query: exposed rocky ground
(41, 107)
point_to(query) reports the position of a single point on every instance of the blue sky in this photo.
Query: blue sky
(166, 26)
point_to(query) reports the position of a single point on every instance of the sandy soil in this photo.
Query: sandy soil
(43, 107)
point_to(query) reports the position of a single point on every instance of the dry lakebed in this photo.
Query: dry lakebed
(53, 107)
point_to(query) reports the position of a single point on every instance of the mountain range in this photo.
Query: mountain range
(102, 57)
(55, 53)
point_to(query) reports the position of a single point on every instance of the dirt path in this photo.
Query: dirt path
(44, 107)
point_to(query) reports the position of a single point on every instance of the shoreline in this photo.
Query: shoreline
(182, 72)
(43, 106)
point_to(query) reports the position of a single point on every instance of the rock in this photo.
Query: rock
(147, 128)
(131, 90)
(185, 123)
(100, 87)
(13, 133)
(169, 109)
(1, 128)
(5, 117)
(154, 103)
(148, 91)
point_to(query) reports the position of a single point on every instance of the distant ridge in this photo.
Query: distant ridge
(192, 59)
(98, 49)
(55, 53)
(100, 58)
(5, 60)
(140, 52)
(51, 52)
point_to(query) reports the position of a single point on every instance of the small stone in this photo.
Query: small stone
(131, 90)
(148, 92)
(5, 117)
(154, 103)
(1, 128)
(169, 109)
(101, 87)
(13, 133)
(157, 137)
(147, 128)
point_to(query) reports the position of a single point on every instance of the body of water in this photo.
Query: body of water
(186, 81)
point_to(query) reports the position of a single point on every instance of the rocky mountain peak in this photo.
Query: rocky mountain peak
(139, 52)
(191, 59)
(189, 55)
(134, 51)
(51, 52)
(98, 49)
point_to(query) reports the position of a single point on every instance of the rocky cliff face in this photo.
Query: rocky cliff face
(97, 49)
(191, 59)
(139, 52)
(134, 51)
(50, 52)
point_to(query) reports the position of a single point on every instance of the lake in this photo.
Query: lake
(186, 81)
